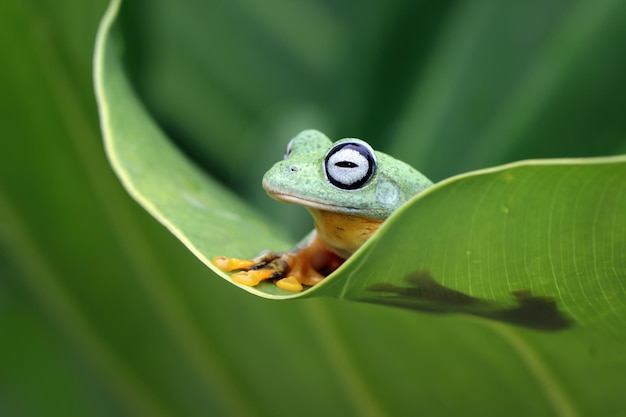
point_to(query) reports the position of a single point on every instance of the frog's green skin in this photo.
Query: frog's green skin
(348, 188)
(300, 179)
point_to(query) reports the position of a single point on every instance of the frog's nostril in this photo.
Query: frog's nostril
(293, 169)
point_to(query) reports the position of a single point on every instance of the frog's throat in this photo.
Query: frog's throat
(343, 233)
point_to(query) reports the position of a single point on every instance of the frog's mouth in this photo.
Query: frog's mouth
(291, 199)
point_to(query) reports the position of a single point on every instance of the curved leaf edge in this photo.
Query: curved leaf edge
(441, 186)
(103, 36)
(269, 290)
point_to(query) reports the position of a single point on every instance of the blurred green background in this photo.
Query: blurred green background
(451, 87)
(102, 312)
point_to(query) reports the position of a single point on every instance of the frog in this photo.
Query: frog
(348, 188)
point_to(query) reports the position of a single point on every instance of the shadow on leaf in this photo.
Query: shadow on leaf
(426, 295)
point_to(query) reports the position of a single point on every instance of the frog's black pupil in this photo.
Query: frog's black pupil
(346, 164)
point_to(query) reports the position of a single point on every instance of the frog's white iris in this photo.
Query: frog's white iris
(350, 165)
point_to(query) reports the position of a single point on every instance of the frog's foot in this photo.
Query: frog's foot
(305, 266)
(267, 265)
(260, 272)
(300, 272)
(292, 270)
(233, 264)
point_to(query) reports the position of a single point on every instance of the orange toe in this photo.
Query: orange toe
(252, 278)
(290, 284)
(231, 264)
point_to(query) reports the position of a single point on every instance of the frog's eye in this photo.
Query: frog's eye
(350, 165)
(288, 150)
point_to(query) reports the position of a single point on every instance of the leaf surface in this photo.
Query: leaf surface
(104, 312)
(501, 236)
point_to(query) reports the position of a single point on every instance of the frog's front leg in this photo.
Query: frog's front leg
(307, 264)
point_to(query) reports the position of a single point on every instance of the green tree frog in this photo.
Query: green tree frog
(348, 188)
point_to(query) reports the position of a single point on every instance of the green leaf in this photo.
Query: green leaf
(207, 218)
(103, 312)
(537, 243)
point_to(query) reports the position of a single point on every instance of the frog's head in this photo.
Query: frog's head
(347, 176)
